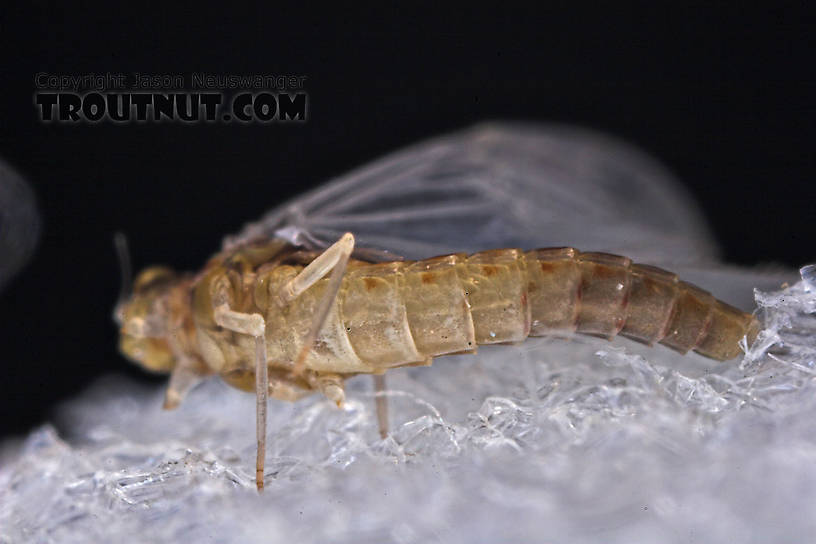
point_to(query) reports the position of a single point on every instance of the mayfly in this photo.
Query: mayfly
(295, 305)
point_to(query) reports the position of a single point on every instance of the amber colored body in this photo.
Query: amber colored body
(394, 314)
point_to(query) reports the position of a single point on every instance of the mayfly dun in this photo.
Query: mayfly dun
(314, 293)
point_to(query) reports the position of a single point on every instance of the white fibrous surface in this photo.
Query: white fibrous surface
(561, 440)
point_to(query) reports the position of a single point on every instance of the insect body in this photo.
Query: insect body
(284, 321)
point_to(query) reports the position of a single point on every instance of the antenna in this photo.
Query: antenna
(123, 255)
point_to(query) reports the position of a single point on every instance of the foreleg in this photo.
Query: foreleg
(183, 378)
(253, 325)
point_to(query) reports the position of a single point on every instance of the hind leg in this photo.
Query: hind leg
(382, 404)
(333, 260)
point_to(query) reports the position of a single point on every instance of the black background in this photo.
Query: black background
(724, 97)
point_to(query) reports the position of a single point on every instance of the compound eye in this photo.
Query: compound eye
(136, 327)
(152, 277)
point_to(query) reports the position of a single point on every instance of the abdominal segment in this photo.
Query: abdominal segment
(602, 294)
(399, 313)
(405, 313)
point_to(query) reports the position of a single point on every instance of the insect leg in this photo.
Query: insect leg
(251, 324)
(335, 258)
(182, 379)
(185, 375)
(382, 404)
(254, 325)
(261, 392)
(331, 385)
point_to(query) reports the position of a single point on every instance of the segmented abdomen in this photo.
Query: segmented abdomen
(453, 302)
(393, 314)
(604, 294)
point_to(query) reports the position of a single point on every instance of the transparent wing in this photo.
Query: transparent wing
(504, 185)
